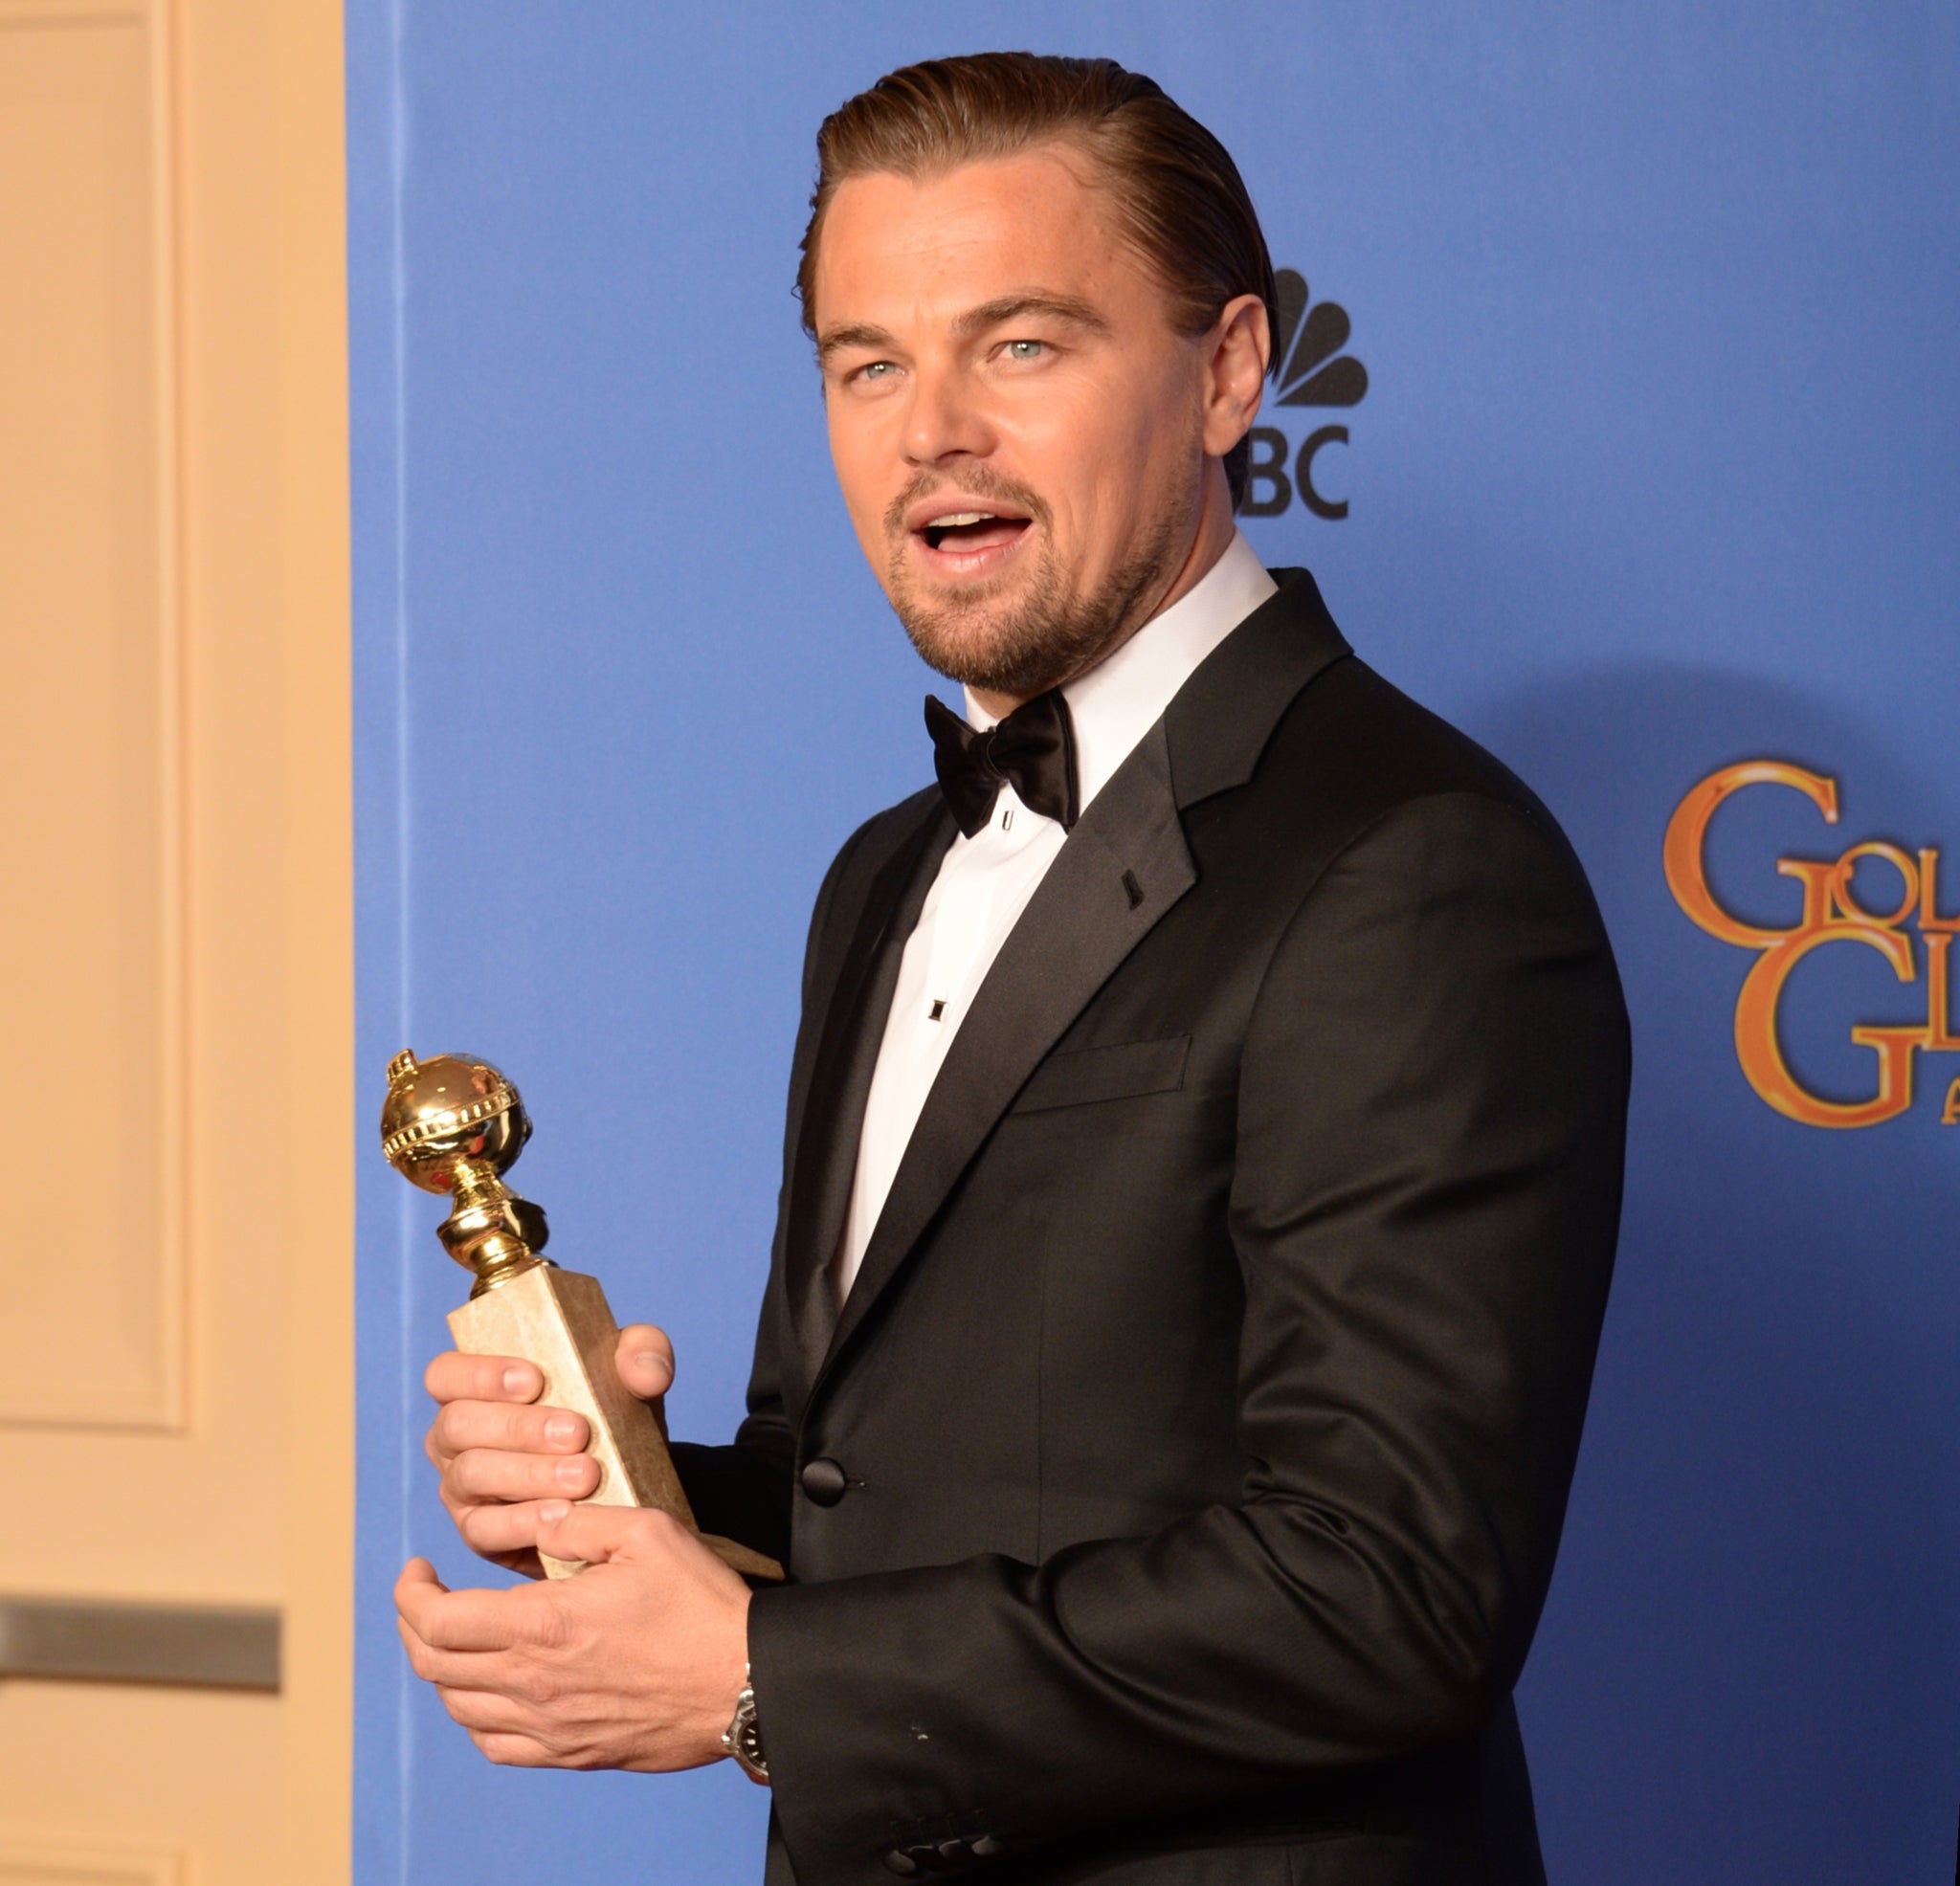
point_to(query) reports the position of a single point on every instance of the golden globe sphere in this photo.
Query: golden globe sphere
(446, 1110)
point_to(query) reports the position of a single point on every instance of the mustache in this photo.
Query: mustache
(978, 482)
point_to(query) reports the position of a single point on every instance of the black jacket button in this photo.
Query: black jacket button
(901, 1863)
(823, 1481)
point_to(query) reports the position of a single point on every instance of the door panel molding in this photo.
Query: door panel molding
(95, 1291)
(43, 1860)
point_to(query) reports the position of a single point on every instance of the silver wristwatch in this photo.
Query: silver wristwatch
(743, 1739)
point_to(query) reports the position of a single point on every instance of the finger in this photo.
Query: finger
(510, 1428)
(645, 1360)
(508, 1534)
(430, 1665)
(486, 1473)
(510, 1751)
(487, 1710)
(454, 1377)
(448, 1620)
(418, 1575)
(595, 1534)
(483, 1672)
(412, 1590)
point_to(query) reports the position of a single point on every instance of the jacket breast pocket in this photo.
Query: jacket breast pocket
(1078, 1075)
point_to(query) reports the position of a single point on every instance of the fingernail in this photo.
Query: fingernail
(652, 1362)
(552, 1511)
(516, 1381)
(570, 1473)
(562, 1429)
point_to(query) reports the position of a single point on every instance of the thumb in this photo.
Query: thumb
(645, 1360)
(595, 1534)
(418, 1577)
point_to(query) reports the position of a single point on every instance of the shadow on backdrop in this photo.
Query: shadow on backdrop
(1745, 1671)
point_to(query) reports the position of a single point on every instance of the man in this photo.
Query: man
(1204, 1140)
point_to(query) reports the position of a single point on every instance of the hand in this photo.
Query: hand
(634, 1662)
(499, 1456)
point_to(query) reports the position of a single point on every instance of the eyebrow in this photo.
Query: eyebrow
(863, 335)
(975, 321)
(1016, 307)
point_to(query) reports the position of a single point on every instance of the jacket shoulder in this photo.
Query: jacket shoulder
(1353, 748)
(868, 850)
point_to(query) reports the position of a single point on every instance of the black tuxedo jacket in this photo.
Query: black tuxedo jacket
(1175, 1494)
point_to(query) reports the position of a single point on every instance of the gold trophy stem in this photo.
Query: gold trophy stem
(478, 1232)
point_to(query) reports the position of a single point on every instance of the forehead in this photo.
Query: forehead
(919, 247)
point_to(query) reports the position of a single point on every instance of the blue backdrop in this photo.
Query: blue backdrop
(1655, 472)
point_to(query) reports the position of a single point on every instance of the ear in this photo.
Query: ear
(1236, 353)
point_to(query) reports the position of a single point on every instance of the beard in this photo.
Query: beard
(1054, 629)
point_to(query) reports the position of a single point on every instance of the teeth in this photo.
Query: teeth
(954, 518)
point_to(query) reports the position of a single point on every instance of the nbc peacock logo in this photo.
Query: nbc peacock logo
(1308, 370)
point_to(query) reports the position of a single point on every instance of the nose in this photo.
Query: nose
(945, 420)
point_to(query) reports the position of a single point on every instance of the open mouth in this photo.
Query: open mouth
(972, 532)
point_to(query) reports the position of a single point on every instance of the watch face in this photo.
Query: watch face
(743, 1740)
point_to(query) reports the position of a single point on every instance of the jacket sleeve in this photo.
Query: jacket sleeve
(1424, 1205)
(742, 1491)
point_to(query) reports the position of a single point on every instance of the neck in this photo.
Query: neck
(1208, 543)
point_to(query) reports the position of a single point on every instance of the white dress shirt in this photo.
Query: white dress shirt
(985, 881)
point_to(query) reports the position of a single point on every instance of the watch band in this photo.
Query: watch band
(743, 1737)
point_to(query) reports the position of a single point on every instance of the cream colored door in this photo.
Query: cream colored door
(175, 954)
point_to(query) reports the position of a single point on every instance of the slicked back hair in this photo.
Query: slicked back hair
(1178, 196)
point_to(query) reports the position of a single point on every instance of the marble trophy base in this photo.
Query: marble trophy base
(560, 1321)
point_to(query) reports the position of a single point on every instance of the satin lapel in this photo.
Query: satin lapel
(834, 1113)
(1125, 865)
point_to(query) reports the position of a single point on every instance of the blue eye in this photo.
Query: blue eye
(1024, 349)
(877, 371)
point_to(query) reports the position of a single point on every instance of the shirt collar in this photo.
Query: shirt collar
(1119, 701)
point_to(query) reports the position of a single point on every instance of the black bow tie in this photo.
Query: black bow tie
(1033, 750)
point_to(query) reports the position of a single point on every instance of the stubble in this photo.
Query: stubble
(1022, 636)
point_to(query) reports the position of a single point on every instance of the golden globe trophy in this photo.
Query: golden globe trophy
(454, 1124)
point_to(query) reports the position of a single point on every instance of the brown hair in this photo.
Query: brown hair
(1179, 195)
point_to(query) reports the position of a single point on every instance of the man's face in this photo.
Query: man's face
(1016, 426)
